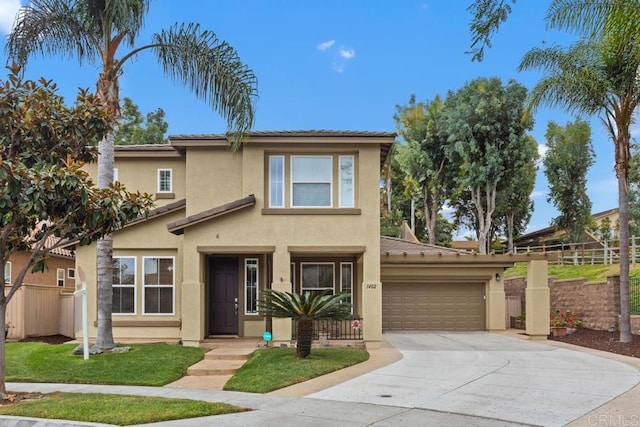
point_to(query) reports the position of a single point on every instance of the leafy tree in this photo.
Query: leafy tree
(485, 129)
(634, 190)
(305, 308)
(597, 75)
(424, 160)
(98, 30)
(487, 16)
(514, 205)
(605, 230)
(566, 164)
(47, 198)
(134, 129)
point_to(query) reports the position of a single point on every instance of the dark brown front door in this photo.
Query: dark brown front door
(223, 296)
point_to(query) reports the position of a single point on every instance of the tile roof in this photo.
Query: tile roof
(395, 246)
(289, 133)
(178, 227)
(159, 211)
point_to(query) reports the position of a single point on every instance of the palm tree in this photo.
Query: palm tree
(96, 31)
(305, 308)
(597, 75)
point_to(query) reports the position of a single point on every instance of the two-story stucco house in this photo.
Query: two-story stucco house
(291, 210)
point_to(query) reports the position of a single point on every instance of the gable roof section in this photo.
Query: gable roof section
(395, 246)
(162, 210)
(178, 227)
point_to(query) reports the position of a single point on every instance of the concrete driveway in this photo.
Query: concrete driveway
(489, 375)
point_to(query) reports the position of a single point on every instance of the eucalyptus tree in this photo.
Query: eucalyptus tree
(106, 32)
(567, 162)
(424, 160)
(597, 75)
(485, 126)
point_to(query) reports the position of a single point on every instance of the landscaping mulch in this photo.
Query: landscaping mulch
(49, 339)
(602, 340)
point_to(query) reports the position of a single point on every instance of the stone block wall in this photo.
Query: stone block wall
(598, 304)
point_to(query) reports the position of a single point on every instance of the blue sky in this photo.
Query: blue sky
(335, 64)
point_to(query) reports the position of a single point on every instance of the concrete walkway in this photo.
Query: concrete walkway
(481, 379)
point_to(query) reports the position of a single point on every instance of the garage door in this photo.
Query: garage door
(433, 307)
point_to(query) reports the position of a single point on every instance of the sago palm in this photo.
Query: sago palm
(597, 75)
(105, 32)
(305, 308)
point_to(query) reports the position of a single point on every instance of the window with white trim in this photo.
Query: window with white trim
(311, 181)
(276, 181)
(346, 281)
(346, 182)
(7, 272)
(159, 279)
(164, 181)
(124, 285)
(115, 175)
(60, 275)
(251, 286)
(317, 276)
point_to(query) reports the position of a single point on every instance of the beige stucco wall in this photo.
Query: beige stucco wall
(147, 239)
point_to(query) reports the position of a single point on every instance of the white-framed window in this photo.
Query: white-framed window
(60, 275)
(276, 181)
(311, 181)
(346, 281)
(7, 272)
(71, 273)
(346, 189)
(251, 285)
(317, 276)
(292, 274)
(115, 175)
(124, 285)
(164, 181)
(159, 289)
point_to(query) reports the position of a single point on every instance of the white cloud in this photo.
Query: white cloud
(538, 193)
(8, 11)
(542, 150)
(322, 46)
(346, 53)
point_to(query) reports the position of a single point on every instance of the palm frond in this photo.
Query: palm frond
(304, 306)
(49, 28)
(121, 17)
(213, 71)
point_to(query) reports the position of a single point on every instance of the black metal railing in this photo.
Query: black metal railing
(349, 329)
(634, 295)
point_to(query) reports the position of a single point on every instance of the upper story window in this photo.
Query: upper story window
(60, 275)
(116, 175)
(311, 181)
(164, 181)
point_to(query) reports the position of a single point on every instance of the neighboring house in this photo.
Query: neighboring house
(44, 303)
(291, 210)
(552, 236)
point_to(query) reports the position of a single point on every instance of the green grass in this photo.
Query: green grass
(145, 364)
(115, 409)
(593, 273)
(271, 369)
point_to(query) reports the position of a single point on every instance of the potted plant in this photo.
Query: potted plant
(7, 326)
(561, 321)
(324, 336)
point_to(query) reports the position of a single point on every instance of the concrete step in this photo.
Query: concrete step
(215, 367)
(229, 354)
(204, 382)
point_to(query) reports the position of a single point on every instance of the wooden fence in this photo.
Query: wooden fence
(589, 253)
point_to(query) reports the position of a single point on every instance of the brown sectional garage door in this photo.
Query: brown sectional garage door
(433, 307)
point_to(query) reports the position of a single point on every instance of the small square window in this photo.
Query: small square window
(71, 273)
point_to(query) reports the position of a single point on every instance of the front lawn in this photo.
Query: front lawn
(271, 369)
(115, 409)
(144, 364)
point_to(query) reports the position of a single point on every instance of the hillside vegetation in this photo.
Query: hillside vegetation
(593, 273)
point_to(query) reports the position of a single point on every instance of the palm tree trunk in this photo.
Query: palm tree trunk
(3, 348)
(104, 252)
(305, 337)
(623, 201)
